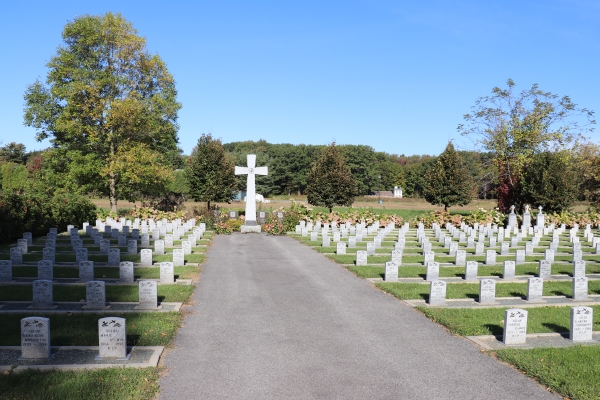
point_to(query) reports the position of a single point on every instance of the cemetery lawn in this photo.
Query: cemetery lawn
(490, 321)
(120, 293)
(109, 383)
(186, 272)
(410, 291)
(143, 329)
(571, 371)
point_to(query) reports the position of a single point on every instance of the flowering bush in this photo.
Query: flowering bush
(274, 228)
(145, 213)
(223, 228)
(484, 217)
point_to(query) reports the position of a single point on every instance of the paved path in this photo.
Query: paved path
(274, 319)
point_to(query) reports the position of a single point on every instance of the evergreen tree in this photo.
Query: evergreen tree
(210, 172)
(330, 182)
(447, 182)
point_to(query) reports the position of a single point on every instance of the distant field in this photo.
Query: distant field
(388, 206)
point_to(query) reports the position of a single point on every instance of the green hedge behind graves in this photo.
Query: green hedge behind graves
(36, 214)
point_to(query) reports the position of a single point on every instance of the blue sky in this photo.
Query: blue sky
(394, 75)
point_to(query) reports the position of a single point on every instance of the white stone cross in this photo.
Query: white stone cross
(251, 170)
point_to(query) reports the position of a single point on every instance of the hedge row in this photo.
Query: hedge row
(25, 213)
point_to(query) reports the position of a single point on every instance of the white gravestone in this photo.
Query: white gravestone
(545, 269)
(169, 240)
(433, 271)
(148, 297)
(104, 246)
(251, 170)
(86, 271)
(5, 271)
(114, 257)
(178, 258)
(437, 293)
(535, 289)
(341, 248)
(520, 257)
(579, 269)
(461, 258)
(352, 242)
(45, 270)
(490, 257)
(112, 338)
(167, 274)
(159, 247)
(471, 271)
(582, 321)
(325, 241)
(487, 291)
(361, 257)
(16, 255)
(391, 272)
(81, 255)
(508, 270)
(580, 288)
(35, 338)
(132, 247)
(95, 295)
(42, 294)
(145, 240)
(146, 257)
(314, 236)
(371, 248)
(49, 253)
(397, 257)
(126, 272)
(22, 244)
(515, 326)
(428, 257)
(549, 255)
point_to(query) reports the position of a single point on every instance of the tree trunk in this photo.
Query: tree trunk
(208, 205)
(112, 184)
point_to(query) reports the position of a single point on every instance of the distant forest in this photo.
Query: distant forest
(373, 171)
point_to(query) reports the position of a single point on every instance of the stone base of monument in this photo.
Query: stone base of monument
(250, 228)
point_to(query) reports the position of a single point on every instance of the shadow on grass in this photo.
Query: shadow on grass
(132, 340)
(518, 294)
(494, 329)
(558, 292)
(555, 327)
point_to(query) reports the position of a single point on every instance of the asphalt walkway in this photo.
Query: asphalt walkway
(273, 319)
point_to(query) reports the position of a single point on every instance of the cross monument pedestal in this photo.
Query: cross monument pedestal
(251, 170)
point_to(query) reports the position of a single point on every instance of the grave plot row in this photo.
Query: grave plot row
(384, 252)
(94, 298)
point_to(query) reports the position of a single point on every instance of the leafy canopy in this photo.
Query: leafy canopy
(105, 95)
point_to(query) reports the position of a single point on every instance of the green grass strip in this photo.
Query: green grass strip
(570, 371)
(489, 321)
(144, 329)
(101, 384)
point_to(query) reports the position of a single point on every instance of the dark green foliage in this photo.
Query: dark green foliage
(210, 172)
(26, 213)
(550, 181)
(447, 182)
(330, 182)
(13, 177)
(14, 153)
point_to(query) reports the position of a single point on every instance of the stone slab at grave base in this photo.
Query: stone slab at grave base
(250, 228)
(79, 357)
(70, 308)
(503, 302)
(534, 340)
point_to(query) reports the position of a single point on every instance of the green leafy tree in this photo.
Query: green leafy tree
(105, 95)
(550, 181)
(447, 182)
(330, 181)
(515, 127)
(210, 173)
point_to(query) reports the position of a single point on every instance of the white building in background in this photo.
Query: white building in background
(397, 192)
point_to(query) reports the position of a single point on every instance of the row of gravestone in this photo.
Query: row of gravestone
(95, 292)
(515, 325)
(86, 271)
(261, 216)
(35, 338)
(487, 291)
